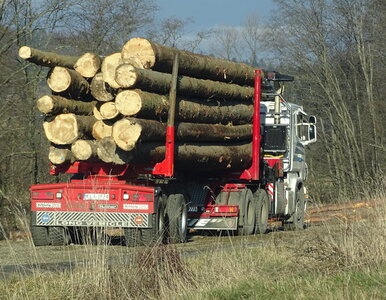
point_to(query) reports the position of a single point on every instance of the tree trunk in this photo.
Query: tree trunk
(100, 90)
(108, 152)
(196, 157)
(51, 104)
(84, 149)
(127, 132)
(101, 129)
(109, 66)
(128, 76)
(67, 128)
(160, 58)
(88, 65)
(59, 155)
(153, 106)
(69, 82)
(46, 59)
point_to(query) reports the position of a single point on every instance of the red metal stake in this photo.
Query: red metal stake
(166, 167)
(253, 173)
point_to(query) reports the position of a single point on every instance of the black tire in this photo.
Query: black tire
(297, 222)
(300, 207)
(40, 235)
(262, 211)
(177, 215)
(132, 237)
(249, 217)
(155, 234)
(58, 236)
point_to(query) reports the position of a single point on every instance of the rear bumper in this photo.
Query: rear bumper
(91, 219)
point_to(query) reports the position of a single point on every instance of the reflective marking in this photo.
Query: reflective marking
(202, 222)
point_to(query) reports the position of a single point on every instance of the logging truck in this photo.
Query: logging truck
(161, 202)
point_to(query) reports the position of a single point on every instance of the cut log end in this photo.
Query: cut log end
(99, 89)
(88, 65)
(126, 76)
(45, 104)
(62, 130)
(128, 103)
(58, 156)
(109, 67)
(101, 129)
(97, 114)
(83, 149)
(126, 134)
(108, 111)
(141, 49)
(25, 52)
(59, 80)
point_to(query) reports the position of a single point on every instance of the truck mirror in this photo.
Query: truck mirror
(312, 120)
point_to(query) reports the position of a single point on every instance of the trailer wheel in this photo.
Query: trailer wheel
(40, 235)
(177, 216)
(132, 237)
(249, 215)
(156, 234)
(58, 236)
(262, 211)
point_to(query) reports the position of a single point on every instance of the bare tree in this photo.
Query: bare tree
(226, 43)
(104, 26)
(327, 43)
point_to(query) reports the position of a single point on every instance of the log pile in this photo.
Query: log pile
(115, 108)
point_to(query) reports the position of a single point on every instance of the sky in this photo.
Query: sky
(212, 13)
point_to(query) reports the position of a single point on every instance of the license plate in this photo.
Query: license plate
(94, 196)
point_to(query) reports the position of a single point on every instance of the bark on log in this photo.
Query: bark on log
(128, 76)
(153, 106)
(102, 129)
(128, 132)
(109, 66)
(67, 128)
(160, 58)
(84, 150)
(59, 155)
(69, 82)
(46, 59)
(88, 65)
(196, 157)
(51, 104)
(100, 90)
(109, 152)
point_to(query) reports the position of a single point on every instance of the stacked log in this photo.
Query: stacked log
(114, 108)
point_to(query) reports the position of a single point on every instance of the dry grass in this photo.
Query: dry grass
(342, 261)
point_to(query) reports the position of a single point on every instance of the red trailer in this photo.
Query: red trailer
(159, 203)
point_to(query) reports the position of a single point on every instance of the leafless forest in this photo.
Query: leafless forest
(335, 48)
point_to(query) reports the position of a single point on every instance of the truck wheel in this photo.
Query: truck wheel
(298, 215)
(249, 215)
(58, 236)
(156, 234)
(262, 211)
(177, 214)
(300, 207)
(40, 235)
